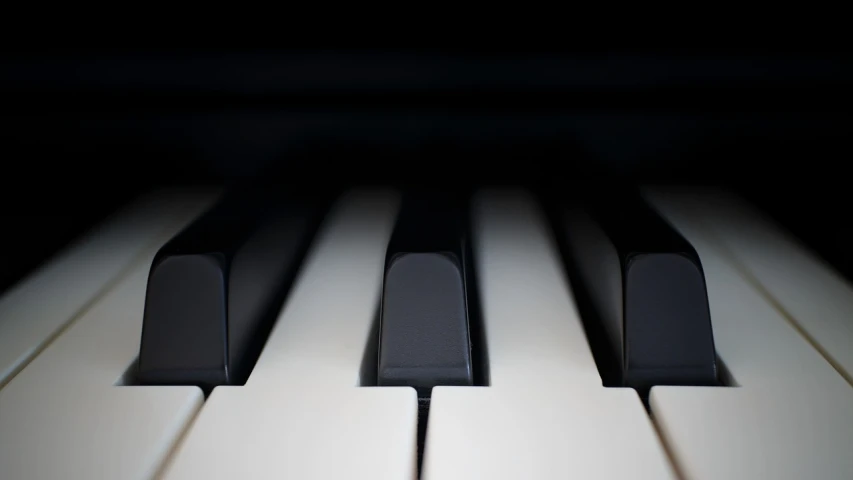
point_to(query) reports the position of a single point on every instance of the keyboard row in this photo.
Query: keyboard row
(740, 334)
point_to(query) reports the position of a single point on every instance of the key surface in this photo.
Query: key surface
(545, 413)
(424, 324)
(424, 320)
(812, 293)
(46, 229)
(215, 289)
(791, 415)
(302, 413)
(75, 277)
(645, 288)
(64, 417)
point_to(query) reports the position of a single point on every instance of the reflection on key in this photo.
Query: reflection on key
(215, 289)
(644, 290)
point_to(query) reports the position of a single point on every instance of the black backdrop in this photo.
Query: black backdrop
(83, 131)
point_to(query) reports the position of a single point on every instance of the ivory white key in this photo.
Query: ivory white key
(791, 416)
(545, 413)
(814, 295)
(64, 417)
(301, 413)
(34, 311)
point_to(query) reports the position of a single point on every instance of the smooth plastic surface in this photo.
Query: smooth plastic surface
(65, 415)
(424, 331)
(645, 290)
(813, 295)
(302, 413)
(791, 415)
(424, 337)
(37, 309)
(215, 289)
(545, 413)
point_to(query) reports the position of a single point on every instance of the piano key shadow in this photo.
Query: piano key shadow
(367, 374)
(130, 375)
(130, 378)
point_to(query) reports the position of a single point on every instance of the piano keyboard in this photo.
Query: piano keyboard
(73, 403)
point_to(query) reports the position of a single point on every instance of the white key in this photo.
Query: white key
(812, 294)
(791, 416)
(545, 413)
(302, 414)
(37, 309)
(63, 417)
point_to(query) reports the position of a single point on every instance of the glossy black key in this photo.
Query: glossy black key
(216, 288)
(641, 289)
(424, 319)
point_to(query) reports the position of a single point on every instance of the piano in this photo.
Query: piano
(529, 265)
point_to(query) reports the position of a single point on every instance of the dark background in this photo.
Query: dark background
(84, 131)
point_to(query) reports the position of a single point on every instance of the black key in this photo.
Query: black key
(424, 319)
(641, 290)
(216, 288)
